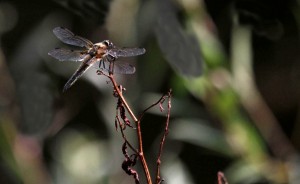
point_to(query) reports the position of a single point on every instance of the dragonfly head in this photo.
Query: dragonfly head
(108, 43)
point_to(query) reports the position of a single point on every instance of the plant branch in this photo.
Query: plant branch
(124, 136)
(138, 129)
(162, 142)
(160, 101)
(221, 178)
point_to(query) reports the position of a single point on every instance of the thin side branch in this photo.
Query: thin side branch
(162, 141)
(160, 101)
(124, 136)
(221, 178)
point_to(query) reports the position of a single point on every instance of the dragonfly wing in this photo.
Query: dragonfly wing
(126, 52)
(79, 72)
(100, 64)
(119, 68)
(67, 55)
(123, 68)
(70, 38)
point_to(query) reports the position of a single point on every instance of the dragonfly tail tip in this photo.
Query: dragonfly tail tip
(65, 88)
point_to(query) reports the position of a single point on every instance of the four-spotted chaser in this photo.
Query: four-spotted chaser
(100, 55)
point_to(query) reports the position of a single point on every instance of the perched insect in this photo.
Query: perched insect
(99, 55)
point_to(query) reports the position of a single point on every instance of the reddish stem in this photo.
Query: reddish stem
(221, 178)
(138, 129)
(162, 142)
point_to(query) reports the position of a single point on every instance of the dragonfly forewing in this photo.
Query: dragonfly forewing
(126, 52)
(66, 36)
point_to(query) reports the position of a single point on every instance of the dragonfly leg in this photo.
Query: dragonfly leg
(100, 63)
(111, 67)
(103, 63)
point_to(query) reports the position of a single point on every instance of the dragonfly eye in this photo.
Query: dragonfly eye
(108, 43)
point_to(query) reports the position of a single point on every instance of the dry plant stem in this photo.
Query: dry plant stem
(221, 178)
(138, 129)
(162, 141)
(161, 100)
(124, 137)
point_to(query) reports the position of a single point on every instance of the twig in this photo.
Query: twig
(158, 162)
(138, 129)
(124, 137)
(129, 162)
(221, 178)
(160, 101)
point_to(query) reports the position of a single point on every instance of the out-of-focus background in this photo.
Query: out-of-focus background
(233, 66)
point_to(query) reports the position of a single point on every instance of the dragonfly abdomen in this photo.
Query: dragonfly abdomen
(87, 63)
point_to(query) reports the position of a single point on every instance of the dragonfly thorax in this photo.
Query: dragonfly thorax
(100, 49)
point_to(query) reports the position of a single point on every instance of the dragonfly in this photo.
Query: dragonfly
(101, 56)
